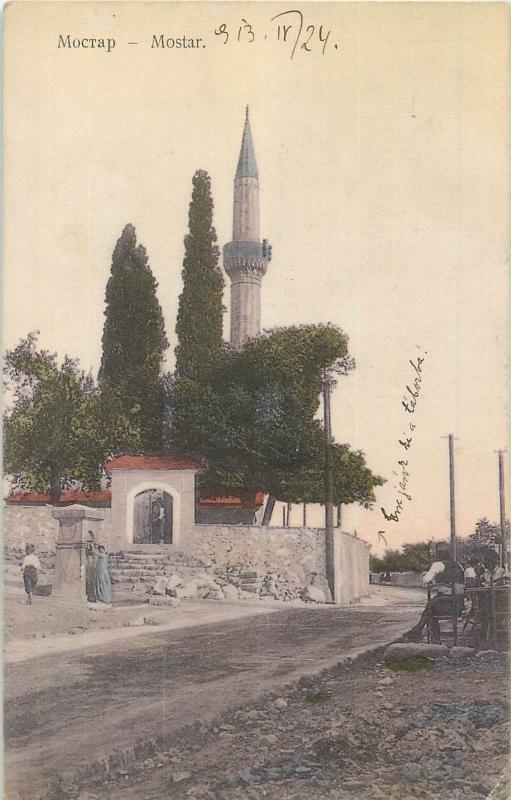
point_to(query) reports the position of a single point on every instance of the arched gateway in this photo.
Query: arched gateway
(153, 499)
(153, 517)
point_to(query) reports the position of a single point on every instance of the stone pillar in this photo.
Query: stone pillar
(75, 522)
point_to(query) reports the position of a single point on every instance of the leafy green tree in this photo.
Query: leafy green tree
(134, 344)
(394, 561)
(376, 564)
(353, 481)
(417, 557)
(414, 557)
(254, 419)
(199, 319)
(57, 432)
(45, 432)
(486, 536)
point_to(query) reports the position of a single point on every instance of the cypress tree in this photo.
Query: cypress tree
(134, 342)
(199, 319)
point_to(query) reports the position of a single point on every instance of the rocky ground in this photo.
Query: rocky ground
(362, 731)
(182, 576)
(367, 730)
(157, 580)
(50, 616)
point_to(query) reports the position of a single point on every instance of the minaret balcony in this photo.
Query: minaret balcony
(250, 258)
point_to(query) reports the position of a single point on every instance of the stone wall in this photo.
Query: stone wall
(259, 548)
(354, 572)
(409, 580)
(298, 553)
(35, 524)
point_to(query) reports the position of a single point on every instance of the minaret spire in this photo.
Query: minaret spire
(247, 164)
(246, 257)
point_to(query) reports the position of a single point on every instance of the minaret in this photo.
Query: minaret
(246, 258)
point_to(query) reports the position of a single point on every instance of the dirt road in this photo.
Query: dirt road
(356, 732)
(74, 708)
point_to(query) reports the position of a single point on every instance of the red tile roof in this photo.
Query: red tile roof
(254, 500)
(152, 462)
(70, 496)
(67, 497)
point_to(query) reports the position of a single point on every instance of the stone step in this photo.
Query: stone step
(142, 585)
(144, 568)
(175, 555)
(131, 588)
(136, 575)
(135, 571)
(250, 587)
(155, 564)
(155, 552)
(139, 556)
(144, 561)
(166, 565)
(161, 570)
(153, 575)
(139, 573)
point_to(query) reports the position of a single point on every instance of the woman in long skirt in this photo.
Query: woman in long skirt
(91, 572)
(103, 580)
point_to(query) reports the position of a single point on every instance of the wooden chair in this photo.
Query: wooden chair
(452, 618)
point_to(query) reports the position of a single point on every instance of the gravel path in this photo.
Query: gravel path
(357, 733)
(75, 708)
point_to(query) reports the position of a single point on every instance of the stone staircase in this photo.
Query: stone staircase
(251, 581)
(135, 573)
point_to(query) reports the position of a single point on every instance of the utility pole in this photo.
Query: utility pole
(503, 543)
(305, 515)
(288, 514)
(331, 541)
(452, 497)
(453, 535)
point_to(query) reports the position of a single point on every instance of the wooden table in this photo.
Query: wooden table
(490, 612)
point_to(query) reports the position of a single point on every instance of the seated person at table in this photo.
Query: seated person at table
(442, 575)
(494, 574)
(473, 575)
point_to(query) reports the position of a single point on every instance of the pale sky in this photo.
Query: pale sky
(384, 174)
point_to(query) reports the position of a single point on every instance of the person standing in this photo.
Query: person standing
(30, 567)
(158, 523)
(103, 580)
(161, 523)
(91, 558)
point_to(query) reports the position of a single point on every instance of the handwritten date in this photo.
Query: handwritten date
(289, 28)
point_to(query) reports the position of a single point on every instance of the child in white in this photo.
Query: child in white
(30, 566)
